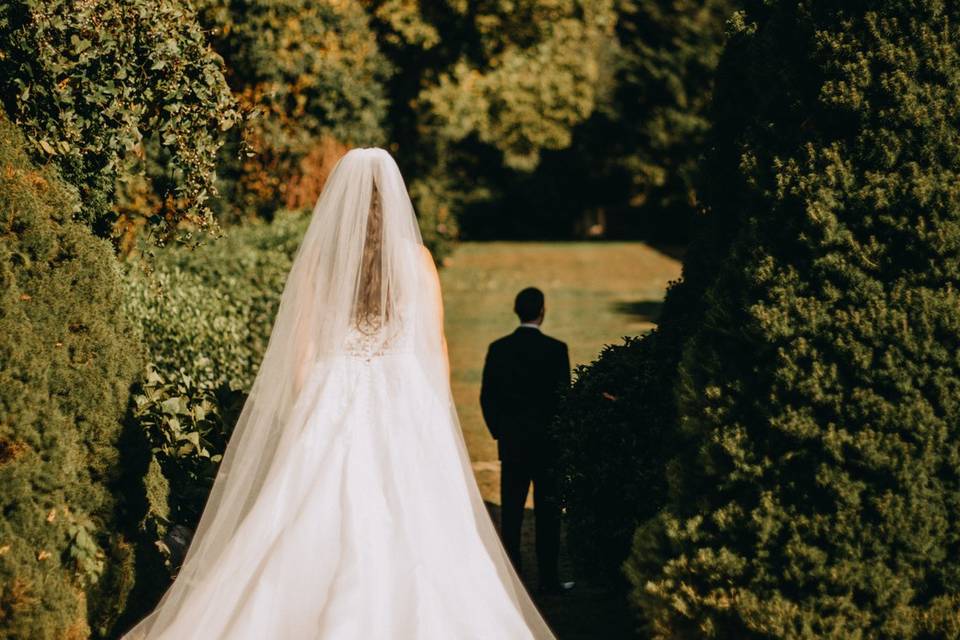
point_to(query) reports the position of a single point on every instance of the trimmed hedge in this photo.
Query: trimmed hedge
(208, 311)
(816, 487)
(67, 359)
(611, 457)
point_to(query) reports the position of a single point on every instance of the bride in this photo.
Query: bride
(345, 506)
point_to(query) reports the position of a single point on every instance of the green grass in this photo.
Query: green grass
(596, 293)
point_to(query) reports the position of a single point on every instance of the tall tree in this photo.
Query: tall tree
(620, 130)
(661, 121)
(311, 76)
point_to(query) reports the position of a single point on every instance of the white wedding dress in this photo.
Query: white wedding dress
(346, 507)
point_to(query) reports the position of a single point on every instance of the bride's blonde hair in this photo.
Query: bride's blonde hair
(369, 296)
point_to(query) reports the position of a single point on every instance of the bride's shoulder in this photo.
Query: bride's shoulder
(425, 254)
(429, 270)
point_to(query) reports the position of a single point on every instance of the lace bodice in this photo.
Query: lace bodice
(367, 342)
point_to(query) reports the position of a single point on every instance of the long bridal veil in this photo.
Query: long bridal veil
(351, 272)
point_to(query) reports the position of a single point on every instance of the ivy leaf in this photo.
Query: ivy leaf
(79, 44)
(172, 406)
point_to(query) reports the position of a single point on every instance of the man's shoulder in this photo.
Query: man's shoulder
(501, 342)
(553, 342)
(538, 337)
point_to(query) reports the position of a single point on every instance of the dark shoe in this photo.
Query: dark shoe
(557, 589)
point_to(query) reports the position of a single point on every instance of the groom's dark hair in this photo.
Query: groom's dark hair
(529, 304)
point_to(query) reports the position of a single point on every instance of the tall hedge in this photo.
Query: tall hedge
(67, 359)
(205, 315)
(617, 429)
(816, 492)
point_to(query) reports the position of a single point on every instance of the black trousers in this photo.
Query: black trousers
(515, 479)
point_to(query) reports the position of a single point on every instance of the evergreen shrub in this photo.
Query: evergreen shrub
(611, 457)
(816, 487)
(67, 359)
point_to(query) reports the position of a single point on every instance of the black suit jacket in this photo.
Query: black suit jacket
(523, 376)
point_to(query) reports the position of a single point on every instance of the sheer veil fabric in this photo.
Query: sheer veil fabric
(345, 505)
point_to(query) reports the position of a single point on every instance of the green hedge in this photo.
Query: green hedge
(209, 310)
(816, 487)
(205, 315)
(611, 456)
(67, 359)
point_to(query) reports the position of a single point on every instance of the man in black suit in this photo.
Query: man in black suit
(523, 376)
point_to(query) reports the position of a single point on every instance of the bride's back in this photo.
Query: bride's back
(358, 270)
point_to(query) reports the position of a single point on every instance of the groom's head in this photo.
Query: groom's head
(529, 305)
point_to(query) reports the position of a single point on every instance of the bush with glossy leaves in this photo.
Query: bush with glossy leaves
(96, 85)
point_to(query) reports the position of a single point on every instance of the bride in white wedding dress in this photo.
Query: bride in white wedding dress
(345, 506)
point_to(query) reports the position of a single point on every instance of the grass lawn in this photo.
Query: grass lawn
(596, 293)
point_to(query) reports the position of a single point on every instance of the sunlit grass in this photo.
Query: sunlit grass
(596, 293)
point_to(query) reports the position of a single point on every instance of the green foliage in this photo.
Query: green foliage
(208, 311)
(528, 78)
(437, 198)
(305, 70)
(632, 166)
(205, 315)
(668, 57)
(534, 119)
(89, 82)
(187, 426)
(618, 432)
(611, 455)
(480, 88)
(67, 363)
(816, 488)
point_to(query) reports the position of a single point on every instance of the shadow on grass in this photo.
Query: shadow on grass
(639, 310)
(674, 251)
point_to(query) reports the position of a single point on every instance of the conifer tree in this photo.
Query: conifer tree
(816, 488)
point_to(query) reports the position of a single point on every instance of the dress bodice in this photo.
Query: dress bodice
(366, 341)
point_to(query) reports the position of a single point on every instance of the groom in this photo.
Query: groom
(522, 378)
